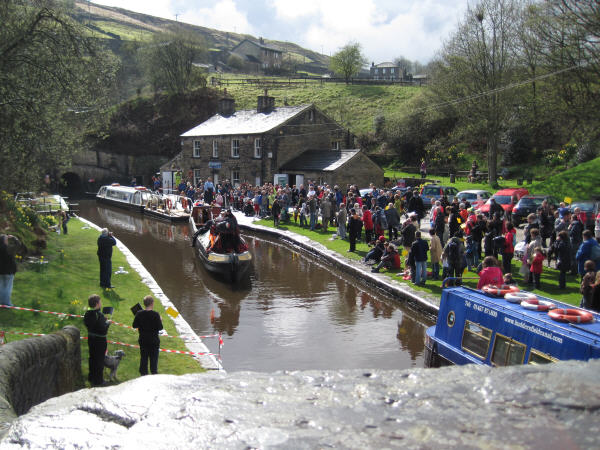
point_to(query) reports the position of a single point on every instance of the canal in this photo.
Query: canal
(292, 313)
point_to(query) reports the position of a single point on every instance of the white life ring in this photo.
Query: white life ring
(518, 297)
(538, 305)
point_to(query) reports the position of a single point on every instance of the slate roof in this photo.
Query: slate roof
(247, 121)
(320, 160)
(386, 64)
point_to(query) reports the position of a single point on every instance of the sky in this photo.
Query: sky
(386, 29)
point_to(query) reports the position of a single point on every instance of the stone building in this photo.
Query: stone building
(385, 71)
(270, 144)
(262, 56)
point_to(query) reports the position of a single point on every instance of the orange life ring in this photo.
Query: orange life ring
(500, 291)
(571, 315)
(183, 202)
(537, 305)
(169, 203)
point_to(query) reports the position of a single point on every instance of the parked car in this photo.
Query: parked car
(590, 208)
(507, 198)
(432, 192)
(529, 204)
(475, 197)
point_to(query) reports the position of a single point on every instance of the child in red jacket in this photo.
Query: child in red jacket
(537, 266)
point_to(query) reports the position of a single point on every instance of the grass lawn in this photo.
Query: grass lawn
(549, 279)
(461, 185)
(64, 285)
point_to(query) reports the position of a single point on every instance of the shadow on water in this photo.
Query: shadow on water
(291, 312)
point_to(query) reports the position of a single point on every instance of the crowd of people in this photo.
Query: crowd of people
(459, 239)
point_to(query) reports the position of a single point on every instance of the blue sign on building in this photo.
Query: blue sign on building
(214, 164)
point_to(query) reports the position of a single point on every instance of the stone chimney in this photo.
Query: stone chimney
(226, 105)
(265, 103)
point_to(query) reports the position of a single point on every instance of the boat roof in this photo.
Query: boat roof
(539, 320)
(120, 188)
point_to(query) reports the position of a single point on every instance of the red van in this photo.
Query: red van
(507, 198)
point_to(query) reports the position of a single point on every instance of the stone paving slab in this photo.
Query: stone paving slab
(555, 406)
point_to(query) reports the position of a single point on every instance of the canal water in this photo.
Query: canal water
(292, 313)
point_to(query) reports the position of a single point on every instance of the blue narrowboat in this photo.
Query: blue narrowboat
(478, 328)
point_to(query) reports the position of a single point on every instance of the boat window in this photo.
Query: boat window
(451, 319)
(537, 357)
(507, 352)
(476, 339)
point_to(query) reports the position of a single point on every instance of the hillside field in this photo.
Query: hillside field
(354, 106)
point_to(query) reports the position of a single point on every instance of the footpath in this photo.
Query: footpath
(397, 290)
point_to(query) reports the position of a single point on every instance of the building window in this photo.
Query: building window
(235, 148)
(197, 176)
(235, 177)
(215, 149)
(311, 115)
(335, 145)
(196, 149)
(392, 70)
(257, 148)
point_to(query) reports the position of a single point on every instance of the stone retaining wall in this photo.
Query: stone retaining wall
(34, 370)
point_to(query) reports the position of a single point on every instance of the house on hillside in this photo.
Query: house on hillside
(258, 54)
(286, 144)
(385, 71)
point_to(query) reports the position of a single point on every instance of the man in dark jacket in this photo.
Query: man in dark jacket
(419, 249)
(148, 323)
(97, 327)
(562, 250)
(354, 229)
(393, 220)
(106, 241)
(495, 208)
(408, 232)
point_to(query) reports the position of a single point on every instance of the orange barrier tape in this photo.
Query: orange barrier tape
(20, 308)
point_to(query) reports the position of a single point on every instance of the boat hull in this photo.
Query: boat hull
(230, 266)
(478, 328)
(124, 205)
(166, 217)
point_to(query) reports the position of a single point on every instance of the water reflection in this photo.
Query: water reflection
(292, 312)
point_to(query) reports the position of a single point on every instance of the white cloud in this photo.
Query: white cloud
(223, 16)
(413, 29)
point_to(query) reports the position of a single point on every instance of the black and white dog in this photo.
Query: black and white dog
(112, 362)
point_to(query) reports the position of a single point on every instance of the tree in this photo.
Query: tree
(348, 61)
(477, 64)
(170, 61)
(405, 64)
(53, 84)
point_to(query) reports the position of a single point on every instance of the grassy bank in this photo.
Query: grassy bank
(353, 106)
(65, 282)
(549, 279)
